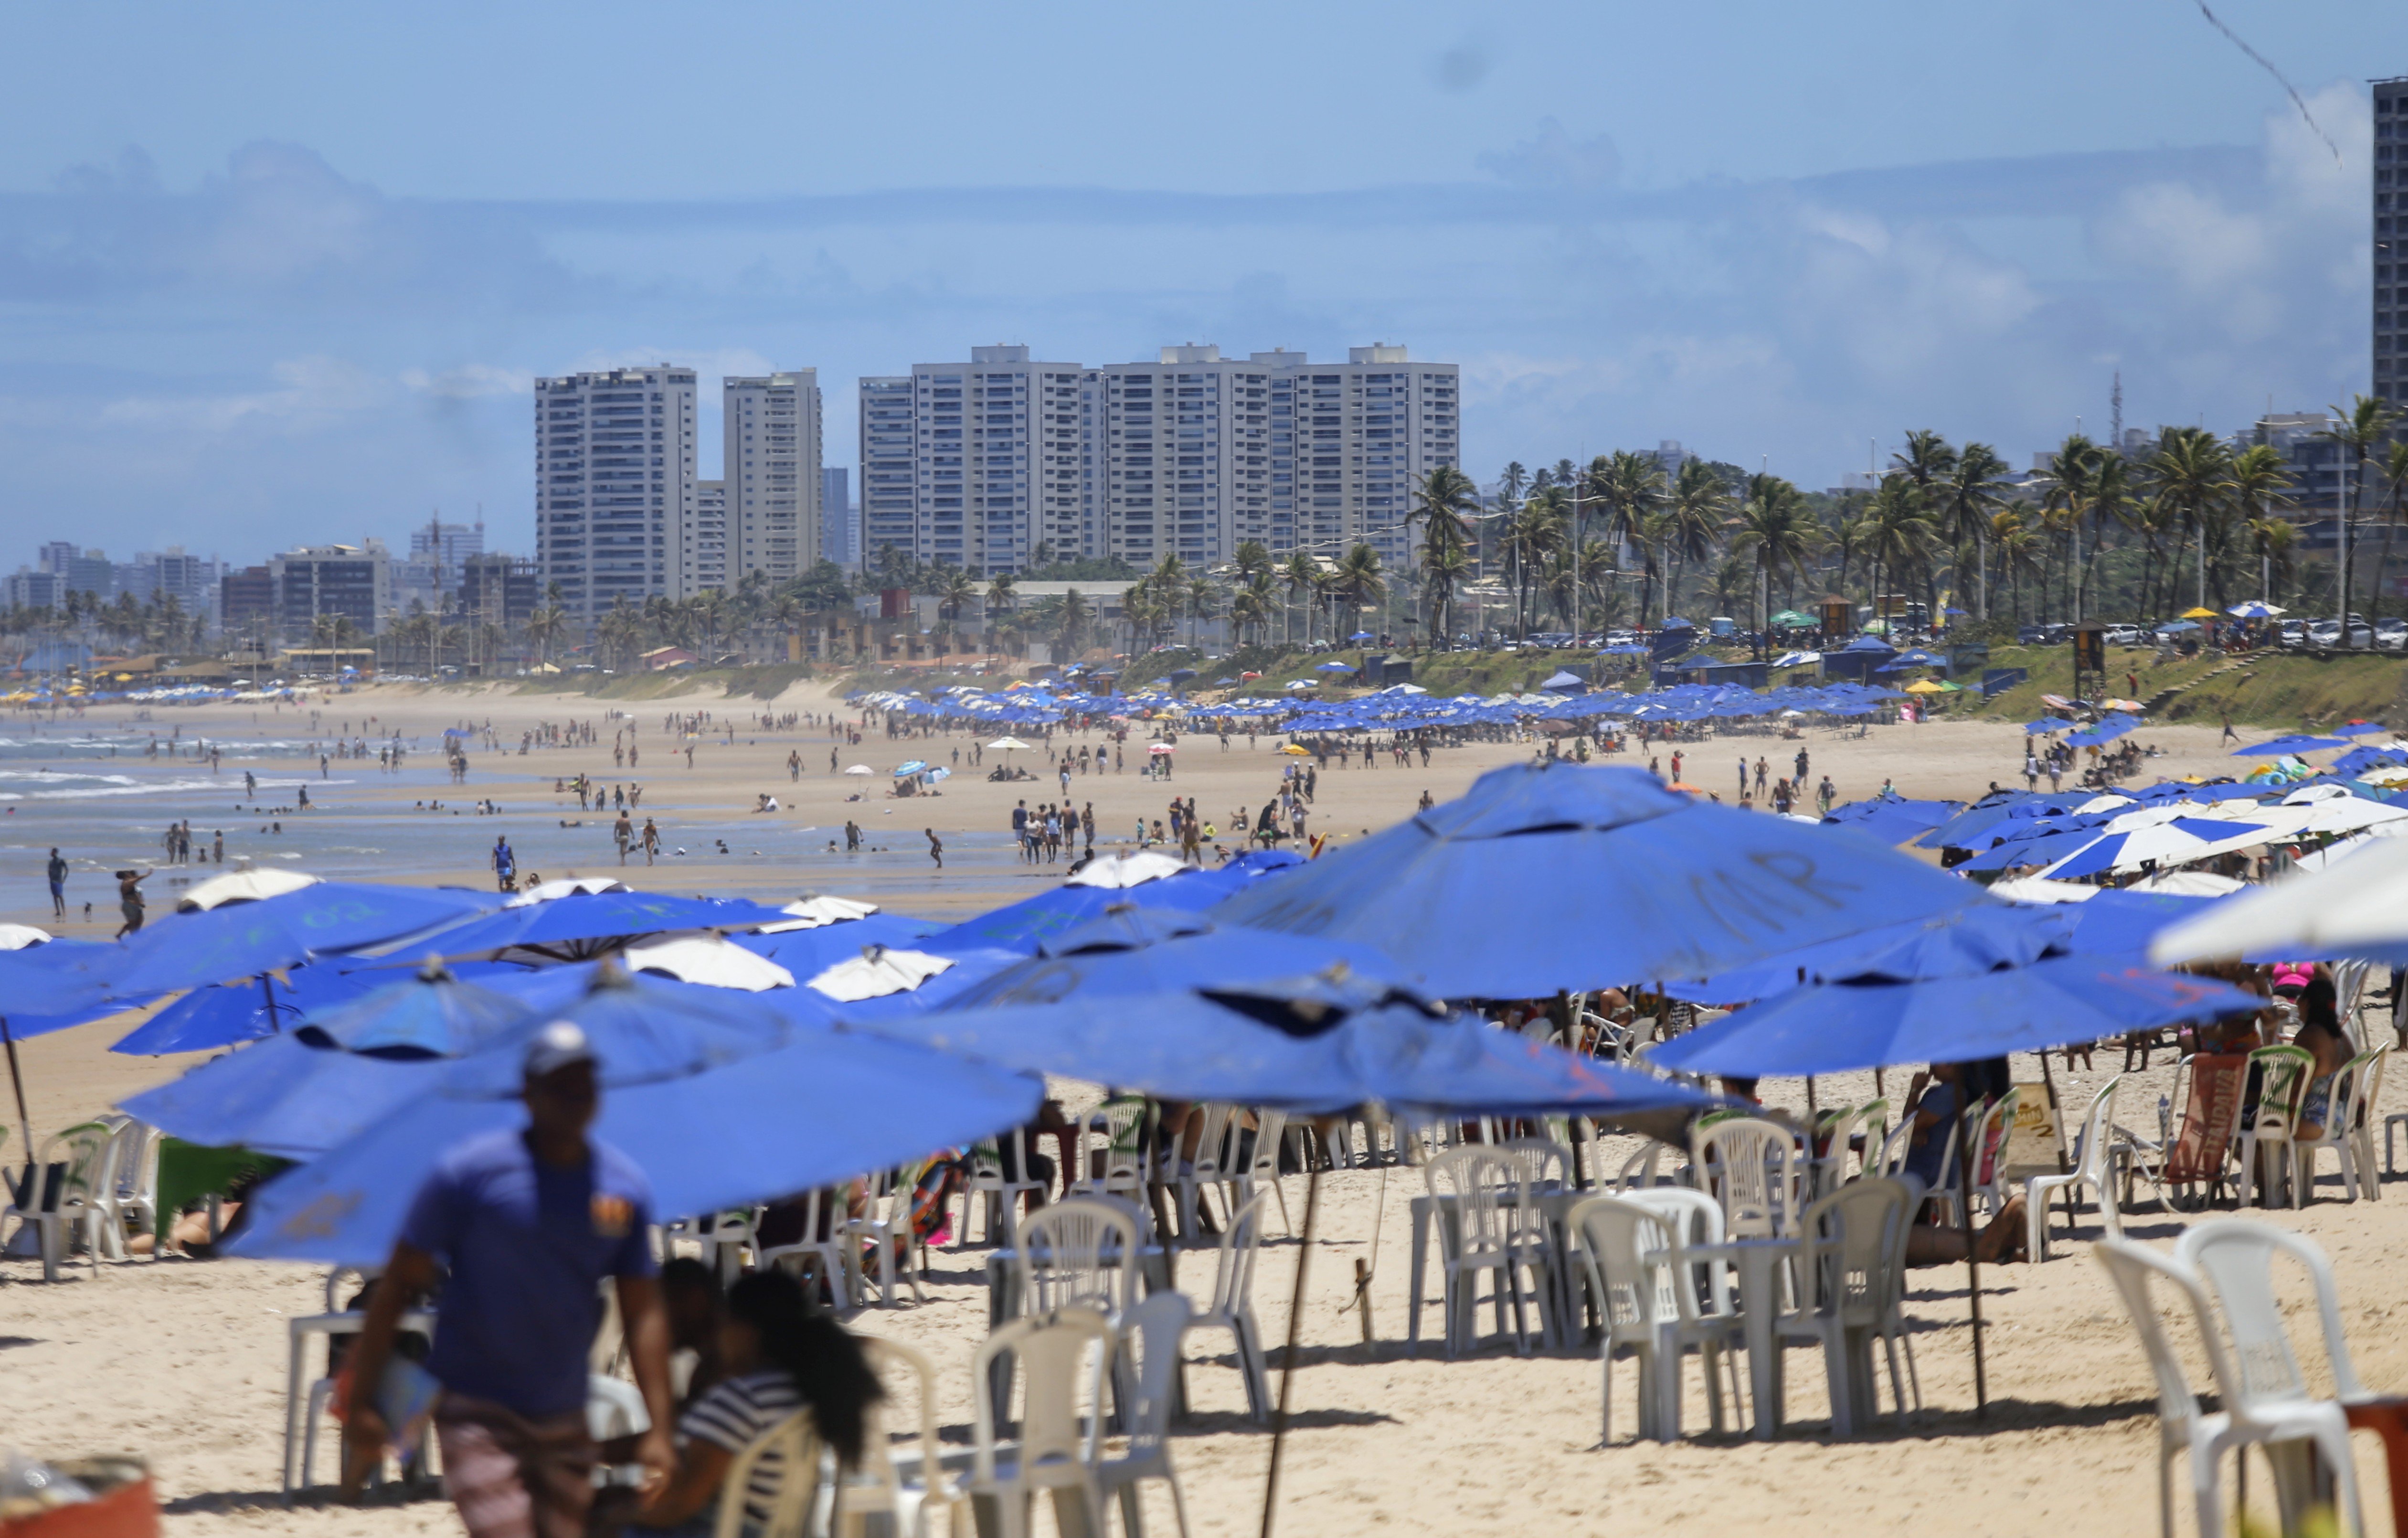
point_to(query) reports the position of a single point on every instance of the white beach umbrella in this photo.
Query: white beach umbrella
(878, 971)
(17, 937)
(859, 769)
(2041, 889)
(566, 886)
(2361, 899)
(1119, 871)
(709, 960)
(2187, 884)
(1006, 743)
(242, 886)
(817, 913)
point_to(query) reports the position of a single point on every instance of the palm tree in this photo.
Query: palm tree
(1899, 533)
(1967, 500)
(1358, 581)
(1250, 607)
(2016, 536)
(2192, 474)
(1532, 537)
(1693, 514)
(1445, 565)
(2395, 480)
(2071, 478)
(1203, 603)
(1443, 501)
(2262, 483)
(1776, 534)
(2359, 431)
(1001, 596)
(544, 630)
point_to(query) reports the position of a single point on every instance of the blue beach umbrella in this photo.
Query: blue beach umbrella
(243, 940)
(2282, 746)
(224, 1014)
(1892, 819)
(1022, 926)
(1836, 1028)
(2047, 724)
(1965, 942)
(807, 952)
(587, 919)
(1561, 876)
(803, 1107)
(2255, 608)
(2362, 728)
(1133, 950)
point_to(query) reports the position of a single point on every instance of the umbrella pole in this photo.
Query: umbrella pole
(268, 991)
(1968, 1151)
(17, 1082)
(1288, 1363)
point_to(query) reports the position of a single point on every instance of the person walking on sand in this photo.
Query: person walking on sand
(936, 847)
(526, 1223)
(623, 830)
(129, 901)
(2230, 735)
(57, 872)
(651, 841)
(506, 866)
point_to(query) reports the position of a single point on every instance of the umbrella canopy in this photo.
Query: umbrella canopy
(816, 913)
(2255, 609)
(244, 939)
(2357, 906)
(1119, 871)
(1836, 1028)
(2282, 746)
(1132, 950)
(1499, 895)
(2047, 724)
(807, 952)
(1790, 619)
(2200, 614)
(241, 886)
(17, 937)
(564, 887)
(560, 926)
(1006, 743)
(859, 769)
(1161, 747)
(1309, 1044)
(2177, 842)
(1333, 667)
(2362, 728)
(815, 1108)
(302, 1093)
(225, 1014)
(709, 960)
(878, 971)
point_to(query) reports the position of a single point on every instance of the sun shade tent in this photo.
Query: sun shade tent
(1497, 894)
(2354, 907)
(574, 926)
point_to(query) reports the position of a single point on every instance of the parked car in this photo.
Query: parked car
(2391, 635)
(2327, 634)
(2126, 635)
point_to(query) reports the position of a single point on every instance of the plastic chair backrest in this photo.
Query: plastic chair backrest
(2235, 1257)
(1990, 1137)
(1752, 1167)
(84, 1150)
(1478, 1178)
(795, 1446)
(892, 1360)
(2283, 1074)
(1211, 1133)
(1843, 1267)
(1637, 1172)
(1270, 1127)
(1691, 1217)
(1616, 1235)
(1894, 1146)
(1062, 1356)
(2134, 1268)
(134, 1160)
(1078, 1253)
(2097, 1131)
(1233, 1278)
(2370, 1082)
(1154, 1327)
(1545, 1162)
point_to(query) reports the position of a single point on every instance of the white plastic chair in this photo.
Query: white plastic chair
(1270, 1130)
(1188, 1175)
(2089, 1169)
(2235, 1258)
(1233, 1302)
(903, 1493)
(1117, 1166)
(839, 1263)
(130, 1199)
(1648, 1297)
(1755, 1169)
(2361, 1127)
(1062, 1357)
(797, 1448)
(2182, 1427)
(888, 1232)
(71, 1212)
(1154, 1327)
(1545, 1163)
(991, 1189)
(1847, 1250)
(2343, 1128)
(1496, 1227)
(1078, 1253)
(2268, 1141)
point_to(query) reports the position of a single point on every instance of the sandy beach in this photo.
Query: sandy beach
(183, 1362)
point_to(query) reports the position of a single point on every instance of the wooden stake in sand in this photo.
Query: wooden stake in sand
(1967, 1138)
(17, 1080)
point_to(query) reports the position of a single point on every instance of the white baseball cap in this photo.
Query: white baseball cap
(556, 1047)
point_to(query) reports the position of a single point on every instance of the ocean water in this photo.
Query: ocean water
(94, 792)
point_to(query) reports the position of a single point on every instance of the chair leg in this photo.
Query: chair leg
(1605, 1366)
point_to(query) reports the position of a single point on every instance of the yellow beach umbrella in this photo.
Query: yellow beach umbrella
(1925, 686)
(2200, 614)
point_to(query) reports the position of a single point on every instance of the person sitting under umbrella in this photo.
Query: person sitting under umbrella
(1939, 1099)
(780, 1355)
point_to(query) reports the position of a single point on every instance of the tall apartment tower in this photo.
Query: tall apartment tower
(839, 520)
(1349, 441)
(974, 464)
(773, 470)
(2390, 239)
(706, 539)
(615, 489)
(1183, 452)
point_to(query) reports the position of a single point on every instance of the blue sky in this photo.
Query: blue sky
(275, 272)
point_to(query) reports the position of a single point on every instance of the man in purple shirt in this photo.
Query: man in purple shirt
(529, 1223)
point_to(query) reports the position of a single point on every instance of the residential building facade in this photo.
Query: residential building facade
(354, 582)
(615, 485)
(839, 518)
(2391, 239)
(771, 466)
(989, 464)
(704, 549)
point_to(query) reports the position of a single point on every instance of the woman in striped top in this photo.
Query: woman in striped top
(780, 1355)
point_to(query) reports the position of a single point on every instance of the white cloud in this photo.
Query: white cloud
(708, 362)
(309, 391)
(469, 380)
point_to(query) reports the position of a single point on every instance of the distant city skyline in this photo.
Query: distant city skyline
(291, 301)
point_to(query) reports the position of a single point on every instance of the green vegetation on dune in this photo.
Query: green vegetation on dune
(764, 682)
(2277, 690)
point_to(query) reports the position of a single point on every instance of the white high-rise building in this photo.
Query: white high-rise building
(772, 470)
(615, 488)
(1191, 455)
(706, 539)
(974, 464)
